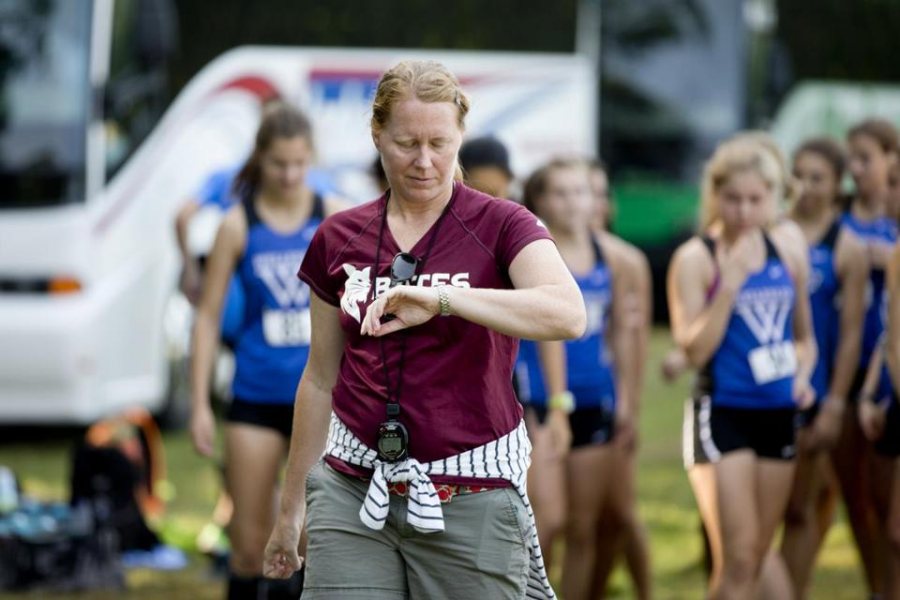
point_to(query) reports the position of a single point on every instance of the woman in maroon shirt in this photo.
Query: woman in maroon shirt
(419, 300)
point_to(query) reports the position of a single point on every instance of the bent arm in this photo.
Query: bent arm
(546, 303)
(697, 326)
(312, 407)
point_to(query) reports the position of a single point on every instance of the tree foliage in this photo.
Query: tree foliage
(839, 39)
(210, 28)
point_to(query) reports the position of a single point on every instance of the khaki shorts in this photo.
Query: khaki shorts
(481, 554)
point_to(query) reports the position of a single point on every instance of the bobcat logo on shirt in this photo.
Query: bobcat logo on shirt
(356, 290)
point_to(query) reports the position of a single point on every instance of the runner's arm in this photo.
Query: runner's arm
(853, 270)
(312, 408)
(697, 326)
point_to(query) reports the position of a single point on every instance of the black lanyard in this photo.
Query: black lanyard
(393, 399)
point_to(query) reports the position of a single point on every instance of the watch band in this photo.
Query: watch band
(443, 300)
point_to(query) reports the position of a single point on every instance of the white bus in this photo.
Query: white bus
(90, 184)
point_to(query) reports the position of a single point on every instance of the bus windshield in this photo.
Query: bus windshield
(44, 101)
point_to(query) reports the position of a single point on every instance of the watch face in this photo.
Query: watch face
(392, 441)
(390, 445)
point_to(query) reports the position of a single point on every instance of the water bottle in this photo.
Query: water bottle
(9, 491)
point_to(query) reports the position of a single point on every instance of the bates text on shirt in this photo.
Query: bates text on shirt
(357, 287)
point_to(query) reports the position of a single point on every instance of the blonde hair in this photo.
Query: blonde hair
(752, 151)
(425, 80)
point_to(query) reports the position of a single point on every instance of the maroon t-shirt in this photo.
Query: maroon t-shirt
(456, 391)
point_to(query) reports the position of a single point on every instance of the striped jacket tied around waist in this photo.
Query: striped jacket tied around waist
(506, 458)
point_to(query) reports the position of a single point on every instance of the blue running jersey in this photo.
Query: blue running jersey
(218, 190)
(589, 365)
(754, 366)
(273, 345)
(823, 290)
(881, 229)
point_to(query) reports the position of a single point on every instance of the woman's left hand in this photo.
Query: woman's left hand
(804, 395)
(410, 306)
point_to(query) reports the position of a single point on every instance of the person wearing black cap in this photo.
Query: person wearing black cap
(485, 162)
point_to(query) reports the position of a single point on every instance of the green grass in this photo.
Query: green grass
(40, 457)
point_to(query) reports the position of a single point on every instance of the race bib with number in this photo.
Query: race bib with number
(772, 362)
(286, 327)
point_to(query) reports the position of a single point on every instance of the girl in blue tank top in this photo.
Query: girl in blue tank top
(589, 366)
(872, 149)
(577, 488)
(754, 365)
(837, 281)
(879, 417)
(273, 341)
(262, 240)
(740, 314)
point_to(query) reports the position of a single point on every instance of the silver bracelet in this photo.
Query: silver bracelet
(443, 300)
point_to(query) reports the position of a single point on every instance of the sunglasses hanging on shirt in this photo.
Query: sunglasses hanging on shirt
(403, 268)
(403, 271)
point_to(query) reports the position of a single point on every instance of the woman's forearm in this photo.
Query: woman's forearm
(636, 333)
(547, 312)
(312, 413)
(203, 352)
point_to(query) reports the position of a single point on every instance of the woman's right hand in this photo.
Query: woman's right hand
(559, 431)
(281, 558)
(736, 263)
(203, 430)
